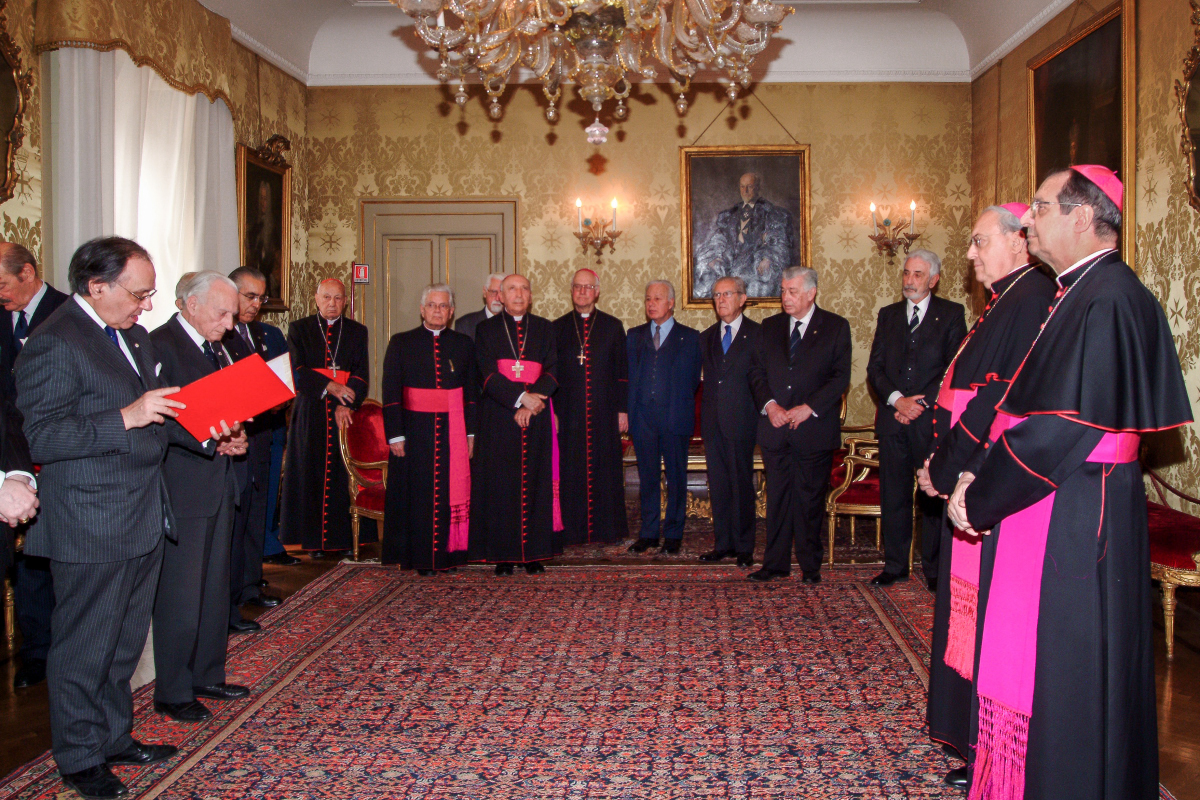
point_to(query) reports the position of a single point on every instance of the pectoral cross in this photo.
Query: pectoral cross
(334, 367)
(518, 368)
(582, 357)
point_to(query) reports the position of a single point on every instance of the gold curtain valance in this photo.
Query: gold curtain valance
(185, 43)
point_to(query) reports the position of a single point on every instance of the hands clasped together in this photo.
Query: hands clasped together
(792, 417)
(532, 404)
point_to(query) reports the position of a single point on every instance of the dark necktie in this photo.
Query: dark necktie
(215, 356)
(112, 334)
(914, 322)
(657, 336)
(245, 332)
(795, 340)
(20, 332)
(727, 339)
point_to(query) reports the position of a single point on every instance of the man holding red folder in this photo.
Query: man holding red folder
(430, 386)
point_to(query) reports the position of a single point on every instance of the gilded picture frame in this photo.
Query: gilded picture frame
(1187, 95)
(724, 235)
(264, 192)
(1083, 104)
(15, 87)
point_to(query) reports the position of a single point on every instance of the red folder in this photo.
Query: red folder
(341, 377)
(234, 394)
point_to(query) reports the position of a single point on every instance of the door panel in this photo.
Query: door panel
(467, 261)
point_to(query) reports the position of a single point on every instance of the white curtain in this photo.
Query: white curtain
(131, 156)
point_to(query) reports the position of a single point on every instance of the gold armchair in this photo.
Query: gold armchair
(365, 452)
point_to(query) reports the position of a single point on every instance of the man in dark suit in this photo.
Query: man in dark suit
(254, 469)
(915, 340)
(18, 488)
(492, 305)
(664, 371)
(191, 610)
(798, 375)
(88, 387)
(728, 422)
(29, 301)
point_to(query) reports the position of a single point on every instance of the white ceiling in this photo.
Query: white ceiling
(371, 42)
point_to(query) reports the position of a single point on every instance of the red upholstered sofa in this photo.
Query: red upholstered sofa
(1174, 550)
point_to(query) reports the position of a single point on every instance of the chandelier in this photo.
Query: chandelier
(600, 45)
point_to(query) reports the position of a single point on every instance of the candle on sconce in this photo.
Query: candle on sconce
(874, 224)
(614, 208)
(579, 212)
(912, 222)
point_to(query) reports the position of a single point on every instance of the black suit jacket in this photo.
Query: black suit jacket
(49, 303)
(469, 322)
(818, 376)
(937, 340)
(195, 474)
(727, 403)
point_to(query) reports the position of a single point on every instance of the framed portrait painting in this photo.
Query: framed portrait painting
(1082, 103)
(264, 189)
(745, 213)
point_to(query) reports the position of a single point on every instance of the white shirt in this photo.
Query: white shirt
(734, 327)
(91, 312)
(1081, 262)
(793, 323)
(909, 305)
(198, 339)
(31, 307)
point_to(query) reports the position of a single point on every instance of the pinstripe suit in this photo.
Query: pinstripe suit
(104, 511)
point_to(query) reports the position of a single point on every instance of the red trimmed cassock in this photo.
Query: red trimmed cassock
(975, 382)
(512, 476)
(593, 383)
(315, 511)
(1064, 679)
(430, 391)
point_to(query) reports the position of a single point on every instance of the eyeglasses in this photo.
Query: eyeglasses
(144, 296)
(256, 298)
(727, 293)
(584, 286)
(1036, 206)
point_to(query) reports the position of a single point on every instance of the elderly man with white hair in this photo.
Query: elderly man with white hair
(191, 609)
(493, 304)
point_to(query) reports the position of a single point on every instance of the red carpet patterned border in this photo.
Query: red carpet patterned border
(586, 682)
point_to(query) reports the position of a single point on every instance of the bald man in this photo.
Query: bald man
(329, 360)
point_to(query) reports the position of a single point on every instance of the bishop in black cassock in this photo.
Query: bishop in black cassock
(1020, 297)
(316, 499)
(593, 383)
(514, 508)
(430, 391)
(1064, 677)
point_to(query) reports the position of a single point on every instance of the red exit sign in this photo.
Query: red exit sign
(362, 273)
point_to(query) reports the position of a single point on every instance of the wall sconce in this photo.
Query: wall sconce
(894, 238)
(595, 232)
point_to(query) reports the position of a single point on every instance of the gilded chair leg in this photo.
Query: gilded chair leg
(852, 518)
(832, 525)
(1168, 601)
(879, 533)
(354, 533)
(10, 614)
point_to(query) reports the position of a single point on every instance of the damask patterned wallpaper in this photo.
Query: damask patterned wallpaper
(1167, 229)
(887, 143)
(21, 217)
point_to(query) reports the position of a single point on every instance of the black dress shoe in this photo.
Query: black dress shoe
(221, 691)
(283, 559)
(96, 783)
(957, 777)
(31, 672)
(717, 555)
(534, 568)
(811, 577)
(886, 578)
(138, 753)
(263, 601)
(195, 711)
(425, 573)
(642, 545)
(244, 626)
(671, 546)
(504, 569)
(745, 560)
(765, 574)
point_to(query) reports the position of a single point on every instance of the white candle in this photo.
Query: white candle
(912, 222)
(579, 212)
(614, 208)
(874, 224)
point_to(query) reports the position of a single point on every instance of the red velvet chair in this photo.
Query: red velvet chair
(1174, 550)
(365, 451)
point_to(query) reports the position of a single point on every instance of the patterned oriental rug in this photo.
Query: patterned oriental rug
(585, 682)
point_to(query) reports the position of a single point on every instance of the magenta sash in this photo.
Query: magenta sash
(964, 562)
(1008, 652)
(450, 401)
(527, 373)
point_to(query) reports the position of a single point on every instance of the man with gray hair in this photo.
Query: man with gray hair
(493, 304)
(915, 341)
(430, 386)
(799, 372)
(664, 371)
(191, 610)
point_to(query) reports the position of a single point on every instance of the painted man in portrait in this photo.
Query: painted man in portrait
(754, 240)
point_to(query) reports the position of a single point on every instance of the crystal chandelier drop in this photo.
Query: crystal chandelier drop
(601, 45)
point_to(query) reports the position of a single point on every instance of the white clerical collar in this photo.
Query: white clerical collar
(330, 322)
(803, 321)
(431, 330)
(517, 319)
(31, 307)
(1081, 262)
